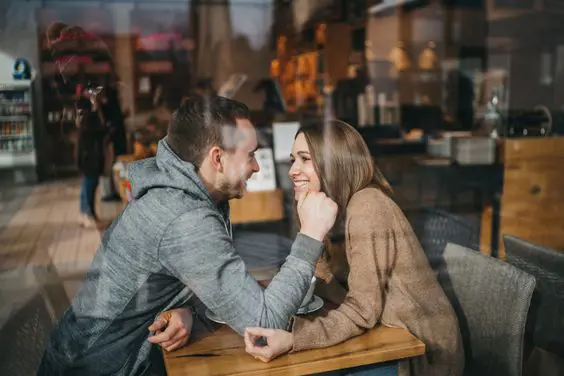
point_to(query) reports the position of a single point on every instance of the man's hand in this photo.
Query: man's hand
(278, 342)
(172, 328)
(317, 214)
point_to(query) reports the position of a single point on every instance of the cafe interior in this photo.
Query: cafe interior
(461, 105)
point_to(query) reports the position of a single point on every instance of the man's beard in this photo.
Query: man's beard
(231, 191)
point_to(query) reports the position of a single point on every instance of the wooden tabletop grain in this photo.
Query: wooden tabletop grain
(223, 353)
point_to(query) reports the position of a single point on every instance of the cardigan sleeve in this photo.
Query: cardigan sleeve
(323, 270)
(327, 286)
(371, 250)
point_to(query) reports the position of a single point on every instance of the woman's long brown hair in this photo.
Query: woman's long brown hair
(343, 163)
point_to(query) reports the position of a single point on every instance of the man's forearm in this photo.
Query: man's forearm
(214, 271)
(284, 294)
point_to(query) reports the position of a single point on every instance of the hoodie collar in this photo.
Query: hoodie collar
(168, 161)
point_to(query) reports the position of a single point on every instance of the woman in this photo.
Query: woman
(91, 134)
(380, 275)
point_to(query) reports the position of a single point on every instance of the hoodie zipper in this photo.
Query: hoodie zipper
(227, 220)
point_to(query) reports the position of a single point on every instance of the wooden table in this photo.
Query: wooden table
(381, 344)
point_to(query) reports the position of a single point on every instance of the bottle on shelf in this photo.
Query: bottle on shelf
(493, 120)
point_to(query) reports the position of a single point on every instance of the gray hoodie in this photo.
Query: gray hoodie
(171, 243)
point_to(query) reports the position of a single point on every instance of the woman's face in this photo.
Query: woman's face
(302, 173)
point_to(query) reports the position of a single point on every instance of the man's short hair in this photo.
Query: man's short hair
(199, 124)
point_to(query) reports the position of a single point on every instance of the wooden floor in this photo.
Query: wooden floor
(42, 229)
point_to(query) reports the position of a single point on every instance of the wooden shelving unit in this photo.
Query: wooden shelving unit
(305, 67)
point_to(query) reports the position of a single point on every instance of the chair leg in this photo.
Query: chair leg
(478, 199)
(440, 189)
(420, 187)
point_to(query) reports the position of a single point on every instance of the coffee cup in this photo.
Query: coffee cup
(309, 295)
(264, 275)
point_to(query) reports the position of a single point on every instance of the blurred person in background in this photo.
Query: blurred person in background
(72, 44)
(90, 155)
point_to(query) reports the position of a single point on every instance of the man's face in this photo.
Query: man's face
(239, 162)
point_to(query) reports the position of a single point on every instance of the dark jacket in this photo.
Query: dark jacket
(116, 122)
(91, 134)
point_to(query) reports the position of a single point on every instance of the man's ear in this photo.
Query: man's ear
(216, 154)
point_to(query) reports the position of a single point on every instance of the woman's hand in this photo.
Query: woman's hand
(172, 328)
(277, 342)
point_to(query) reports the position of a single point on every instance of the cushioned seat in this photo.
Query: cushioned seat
(491, 299)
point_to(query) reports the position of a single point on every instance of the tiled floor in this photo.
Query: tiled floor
(40, 227)
(41, 243)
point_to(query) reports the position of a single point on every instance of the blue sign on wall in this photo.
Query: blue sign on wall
(22, 70)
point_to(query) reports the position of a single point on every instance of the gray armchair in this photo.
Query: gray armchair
(545, 326)
(546, 264)
(23, 336)
(435, 228)
(33, 300)
(491, 299)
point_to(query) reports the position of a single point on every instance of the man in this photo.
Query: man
(173, 243)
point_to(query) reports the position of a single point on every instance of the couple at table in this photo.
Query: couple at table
(172, 245)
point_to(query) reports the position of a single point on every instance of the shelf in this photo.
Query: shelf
(15, 137)
(17, 158)
(15, 85)
(15, 118)
(7, 101)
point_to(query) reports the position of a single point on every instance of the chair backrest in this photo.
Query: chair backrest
(53, 288)
(545, 324)
(491, 299)
(262, 249)
(37, 299)
(545, 264)
(23, 337)
(435, 228)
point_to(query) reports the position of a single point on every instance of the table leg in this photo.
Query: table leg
(496, 205)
